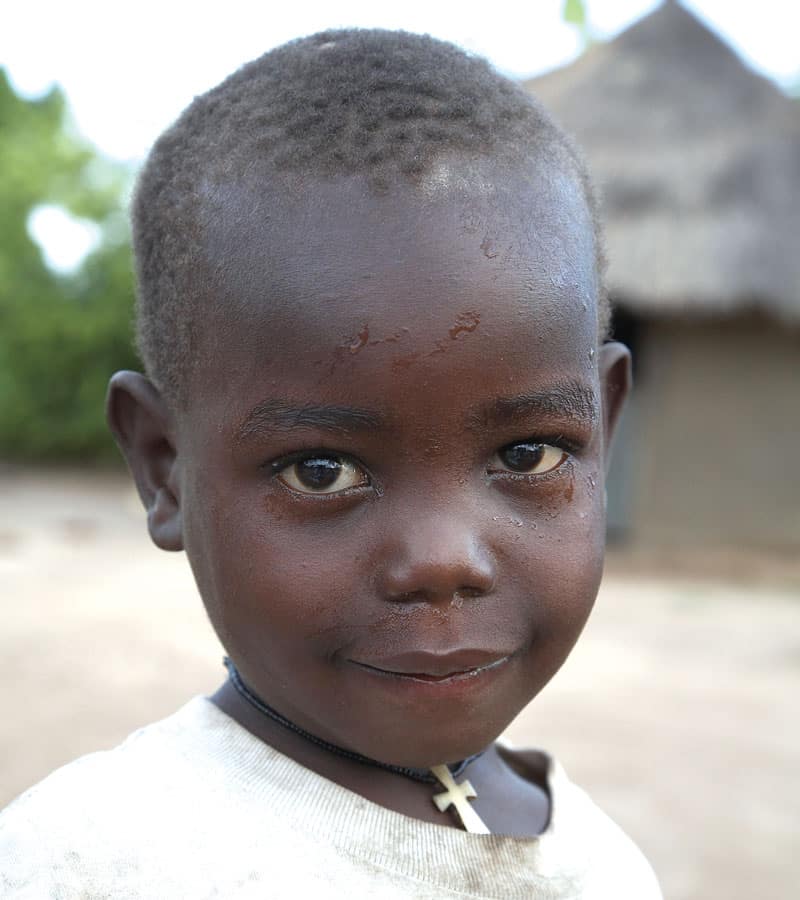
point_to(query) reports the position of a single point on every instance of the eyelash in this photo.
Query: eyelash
(568, 447)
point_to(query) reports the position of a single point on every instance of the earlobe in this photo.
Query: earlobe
(141, 424)
(614, 361)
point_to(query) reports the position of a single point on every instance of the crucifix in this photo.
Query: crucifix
(458, 796)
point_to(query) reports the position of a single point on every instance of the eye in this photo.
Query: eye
(321, 474)
(528, 458)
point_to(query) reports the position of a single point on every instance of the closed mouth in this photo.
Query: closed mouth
(440, 675)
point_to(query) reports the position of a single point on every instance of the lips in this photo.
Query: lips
(425, 665)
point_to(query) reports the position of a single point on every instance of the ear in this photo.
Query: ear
(142, 426)
(614, 362)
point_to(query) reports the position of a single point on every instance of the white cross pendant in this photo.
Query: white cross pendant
(458, 796)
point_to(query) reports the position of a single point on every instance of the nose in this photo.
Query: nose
(437, 561)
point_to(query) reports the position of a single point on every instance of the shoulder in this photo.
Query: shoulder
(62, 832)
(614, 865)
(582, 844)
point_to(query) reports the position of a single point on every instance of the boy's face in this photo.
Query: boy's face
(391, 468)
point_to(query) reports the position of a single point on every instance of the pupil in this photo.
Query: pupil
(318, 473)
(521, 457)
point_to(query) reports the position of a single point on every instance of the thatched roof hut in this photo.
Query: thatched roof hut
(698, 161)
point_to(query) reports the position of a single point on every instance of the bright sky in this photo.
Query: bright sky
(128, 68)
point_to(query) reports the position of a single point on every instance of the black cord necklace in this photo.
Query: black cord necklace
(423, 775)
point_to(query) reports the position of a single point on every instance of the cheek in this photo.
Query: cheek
(267, 583)
(557, 548)
(581, 537)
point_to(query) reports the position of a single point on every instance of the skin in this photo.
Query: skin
(455, 324)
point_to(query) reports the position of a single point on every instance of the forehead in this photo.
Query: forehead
(306, 275)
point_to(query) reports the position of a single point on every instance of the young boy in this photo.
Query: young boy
(377, 411)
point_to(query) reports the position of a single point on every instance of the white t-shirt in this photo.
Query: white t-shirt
(197, 807)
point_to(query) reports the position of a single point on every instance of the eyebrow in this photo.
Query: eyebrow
(280, 415)
(571, 399)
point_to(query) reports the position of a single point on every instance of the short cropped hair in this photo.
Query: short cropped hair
(380, 103)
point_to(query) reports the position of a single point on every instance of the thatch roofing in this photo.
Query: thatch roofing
(698, 162)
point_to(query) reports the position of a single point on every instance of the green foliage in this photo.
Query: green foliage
(60, 336)
(575, 12)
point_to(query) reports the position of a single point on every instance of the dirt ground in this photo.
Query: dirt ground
(678, 710)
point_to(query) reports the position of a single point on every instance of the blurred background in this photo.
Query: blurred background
(678, 710)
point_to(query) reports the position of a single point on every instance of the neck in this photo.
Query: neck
(379, 784)
(490, 775)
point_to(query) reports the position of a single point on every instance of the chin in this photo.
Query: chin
(426, 743)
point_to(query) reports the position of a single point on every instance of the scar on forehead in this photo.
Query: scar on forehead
(466, 322)
(355, 343)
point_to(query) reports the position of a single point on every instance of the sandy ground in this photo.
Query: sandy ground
(678, 710)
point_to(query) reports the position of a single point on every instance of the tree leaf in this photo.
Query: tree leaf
(575, 12)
